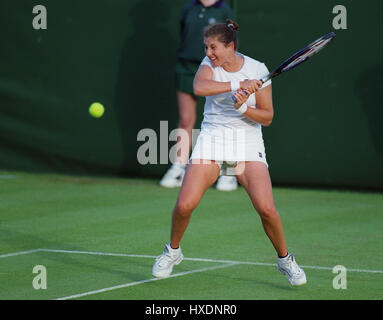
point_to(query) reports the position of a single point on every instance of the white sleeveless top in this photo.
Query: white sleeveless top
(219, 109)
(226, 134)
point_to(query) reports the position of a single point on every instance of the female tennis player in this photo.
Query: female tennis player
(231, 136)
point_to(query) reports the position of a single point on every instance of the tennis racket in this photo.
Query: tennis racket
(299, 57)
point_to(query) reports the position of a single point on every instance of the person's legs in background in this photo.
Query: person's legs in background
(187, 105)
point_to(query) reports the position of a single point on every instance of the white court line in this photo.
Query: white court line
(19, 253)
(203, 260)
(99, 253)
(227, 263)
(189, 259)
(130, 284)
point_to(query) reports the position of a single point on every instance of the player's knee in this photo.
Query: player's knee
(267, 211)
(186, 123)
(184, 208)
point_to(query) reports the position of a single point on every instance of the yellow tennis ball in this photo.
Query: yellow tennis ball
(96, 110)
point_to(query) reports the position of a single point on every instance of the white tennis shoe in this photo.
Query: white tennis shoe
(164, 264)
(291, 270)
(174, 176)
(227, 183)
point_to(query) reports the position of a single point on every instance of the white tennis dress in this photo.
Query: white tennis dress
(227, 135)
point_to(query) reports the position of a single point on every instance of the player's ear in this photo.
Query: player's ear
(231, 45)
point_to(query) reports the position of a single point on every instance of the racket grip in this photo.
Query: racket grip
(234, 99)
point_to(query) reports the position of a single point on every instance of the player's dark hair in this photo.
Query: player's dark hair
(225, 32)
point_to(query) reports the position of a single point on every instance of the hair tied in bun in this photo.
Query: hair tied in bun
(232, 25)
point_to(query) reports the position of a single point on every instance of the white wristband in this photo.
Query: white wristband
(235, 85)
(242, 109)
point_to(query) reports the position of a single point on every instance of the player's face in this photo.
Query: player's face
(217, 52)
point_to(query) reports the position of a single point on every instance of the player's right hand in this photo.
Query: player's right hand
(241, 96)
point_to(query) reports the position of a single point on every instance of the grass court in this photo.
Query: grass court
(98, 238)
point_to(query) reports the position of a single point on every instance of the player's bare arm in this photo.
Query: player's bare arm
(264, 112)
(204, 85)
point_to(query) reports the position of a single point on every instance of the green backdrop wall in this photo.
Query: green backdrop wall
(326, 130)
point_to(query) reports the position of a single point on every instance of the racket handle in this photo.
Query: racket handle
(262, 80)
(234, 99)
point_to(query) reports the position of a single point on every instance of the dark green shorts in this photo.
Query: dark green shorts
(185, 72)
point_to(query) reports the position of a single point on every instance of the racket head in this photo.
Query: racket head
(302, 55)
(299, 57)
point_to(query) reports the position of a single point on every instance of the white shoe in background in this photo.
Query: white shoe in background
(227, 183)
(174, 176)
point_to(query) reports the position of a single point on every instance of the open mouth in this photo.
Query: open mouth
(213, 59)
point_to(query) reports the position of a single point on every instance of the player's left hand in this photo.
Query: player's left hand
(241, 95)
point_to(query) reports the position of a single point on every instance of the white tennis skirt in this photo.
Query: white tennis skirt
(230, 145)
